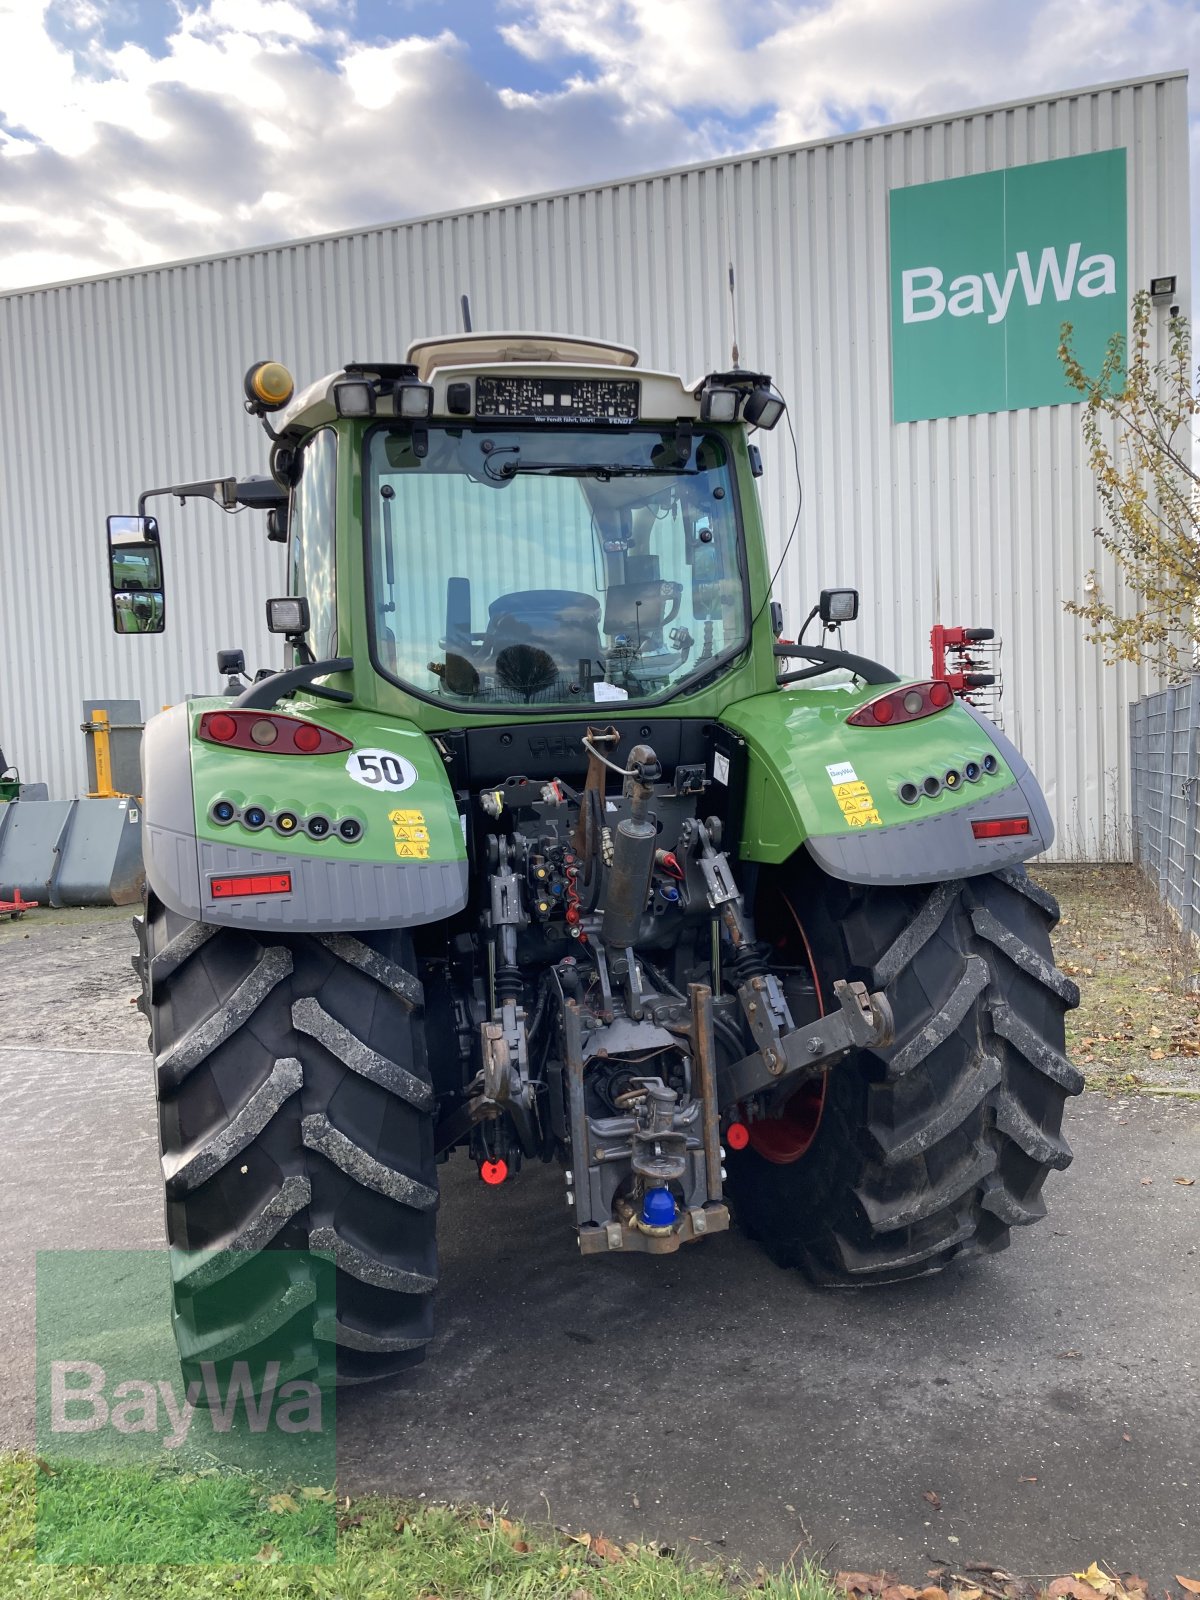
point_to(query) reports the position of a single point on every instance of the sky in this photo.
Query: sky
(138, 131)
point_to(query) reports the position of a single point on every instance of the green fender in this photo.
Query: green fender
(812, 779)
(229, 835)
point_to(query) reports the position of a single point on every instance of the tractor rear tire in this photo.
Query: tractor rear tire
(296, 1118)
(933, 1148)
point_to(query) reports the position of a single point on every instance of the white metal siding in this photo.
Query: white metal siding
(111, 385)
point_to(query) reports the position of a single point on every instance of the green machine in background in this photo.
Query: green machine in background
(547, 846)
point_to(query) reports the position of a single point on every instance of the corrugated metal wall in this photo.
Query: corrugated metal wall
(113, 384)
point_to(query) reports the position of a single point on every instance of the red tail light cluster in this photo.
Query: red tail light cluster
(907, 704)
(257, 730)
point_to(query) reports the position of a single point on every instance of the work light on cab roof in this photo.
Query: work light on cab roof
(532, 843)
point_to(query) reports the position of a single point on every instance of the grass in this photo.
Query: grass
(1138, 1021)
(384, 1549)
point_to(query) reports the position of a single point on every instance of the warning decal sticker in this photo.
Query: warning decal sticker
(857, 806)
(410, 835)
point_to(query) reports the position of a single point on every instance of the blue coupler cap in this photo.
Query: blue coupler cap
(658, 1208)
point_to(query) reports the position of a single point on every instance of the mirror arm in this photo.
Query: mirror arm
(222, 490)
(260, 494)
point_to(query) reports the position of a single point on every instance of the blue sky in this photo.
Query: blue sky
(134, 131)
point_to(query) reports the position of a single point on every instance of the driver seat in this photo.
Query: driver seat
(562, 622)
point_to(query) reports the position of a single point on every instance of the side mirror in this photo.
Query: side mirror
(838, 605)
(135, 575)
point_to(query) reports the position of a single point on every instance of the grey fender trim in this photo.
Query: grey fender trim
(168, 834)
(328, 895)
(941, 845)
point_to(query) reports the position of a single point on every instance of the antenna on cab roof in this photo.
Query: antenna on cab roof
(733, 311)
(465, 304)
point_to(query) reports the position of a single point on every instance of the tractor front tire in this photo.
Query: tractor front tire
(933, 1148)
(296, 1126)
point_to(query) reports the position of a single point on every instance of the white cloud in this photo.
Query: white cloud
(264, 119)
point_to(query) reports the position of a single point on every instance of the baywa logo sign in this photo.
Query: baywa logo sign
(984, 272)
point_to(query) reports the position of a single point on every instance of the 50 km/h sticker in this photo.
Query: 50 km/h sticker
(381, 769)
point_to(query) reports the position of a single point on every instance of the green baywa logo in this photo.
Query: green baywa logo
(924, 298)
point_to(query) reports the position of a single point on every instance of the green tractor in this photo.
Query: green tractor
(546, 847)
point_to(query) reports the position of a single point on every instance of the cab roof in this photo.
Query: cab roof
(453, 358)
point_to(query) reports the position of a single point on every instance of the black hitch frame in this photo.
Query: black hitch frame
(862, 1022)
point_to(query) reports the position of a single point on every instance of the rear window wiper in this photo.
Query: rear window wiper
(600, 470)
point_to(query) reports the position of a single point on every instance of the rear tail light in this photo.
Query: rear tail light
(1001, 828)
(913, 701)
(283, 736)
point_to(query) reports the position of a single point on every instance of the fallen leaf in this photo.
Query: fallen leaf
(580, 1594)
(899, 1591)
(1069, 1589)
(932, 1593)
(1158, 1055)
(935, 1499)
(281, 1502)
(968, 1594)
(521, 1547)
(44, 1466)
(1128, 1438)
(585, 1539)
(859, 1582)
(1146, 1182)
(344, 1523)
(1026, 1480)
(267, 1555)
(1069, 1355)
(607, 1551)
(1189, 1584)
(1155, 1032)
(1097, 1579)
(326, 1495)
(1185, 1183)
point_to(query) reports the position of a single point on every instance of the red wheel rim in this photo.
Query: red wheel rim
(787, 1137)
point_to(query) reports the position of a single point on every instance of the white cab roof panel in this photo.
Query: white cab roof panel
(490, 349)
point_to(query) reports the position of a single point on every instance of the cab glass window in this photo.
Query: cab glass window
(552, 567)
(311, 547)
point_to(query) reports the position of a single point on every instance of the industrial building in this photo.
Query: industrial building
(905, 287)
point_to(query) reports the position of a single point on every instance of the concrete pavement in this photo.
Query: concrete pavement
(707, 1399)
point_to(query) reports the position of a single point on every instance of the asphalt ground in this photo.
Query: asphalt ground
(1048, 1397)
